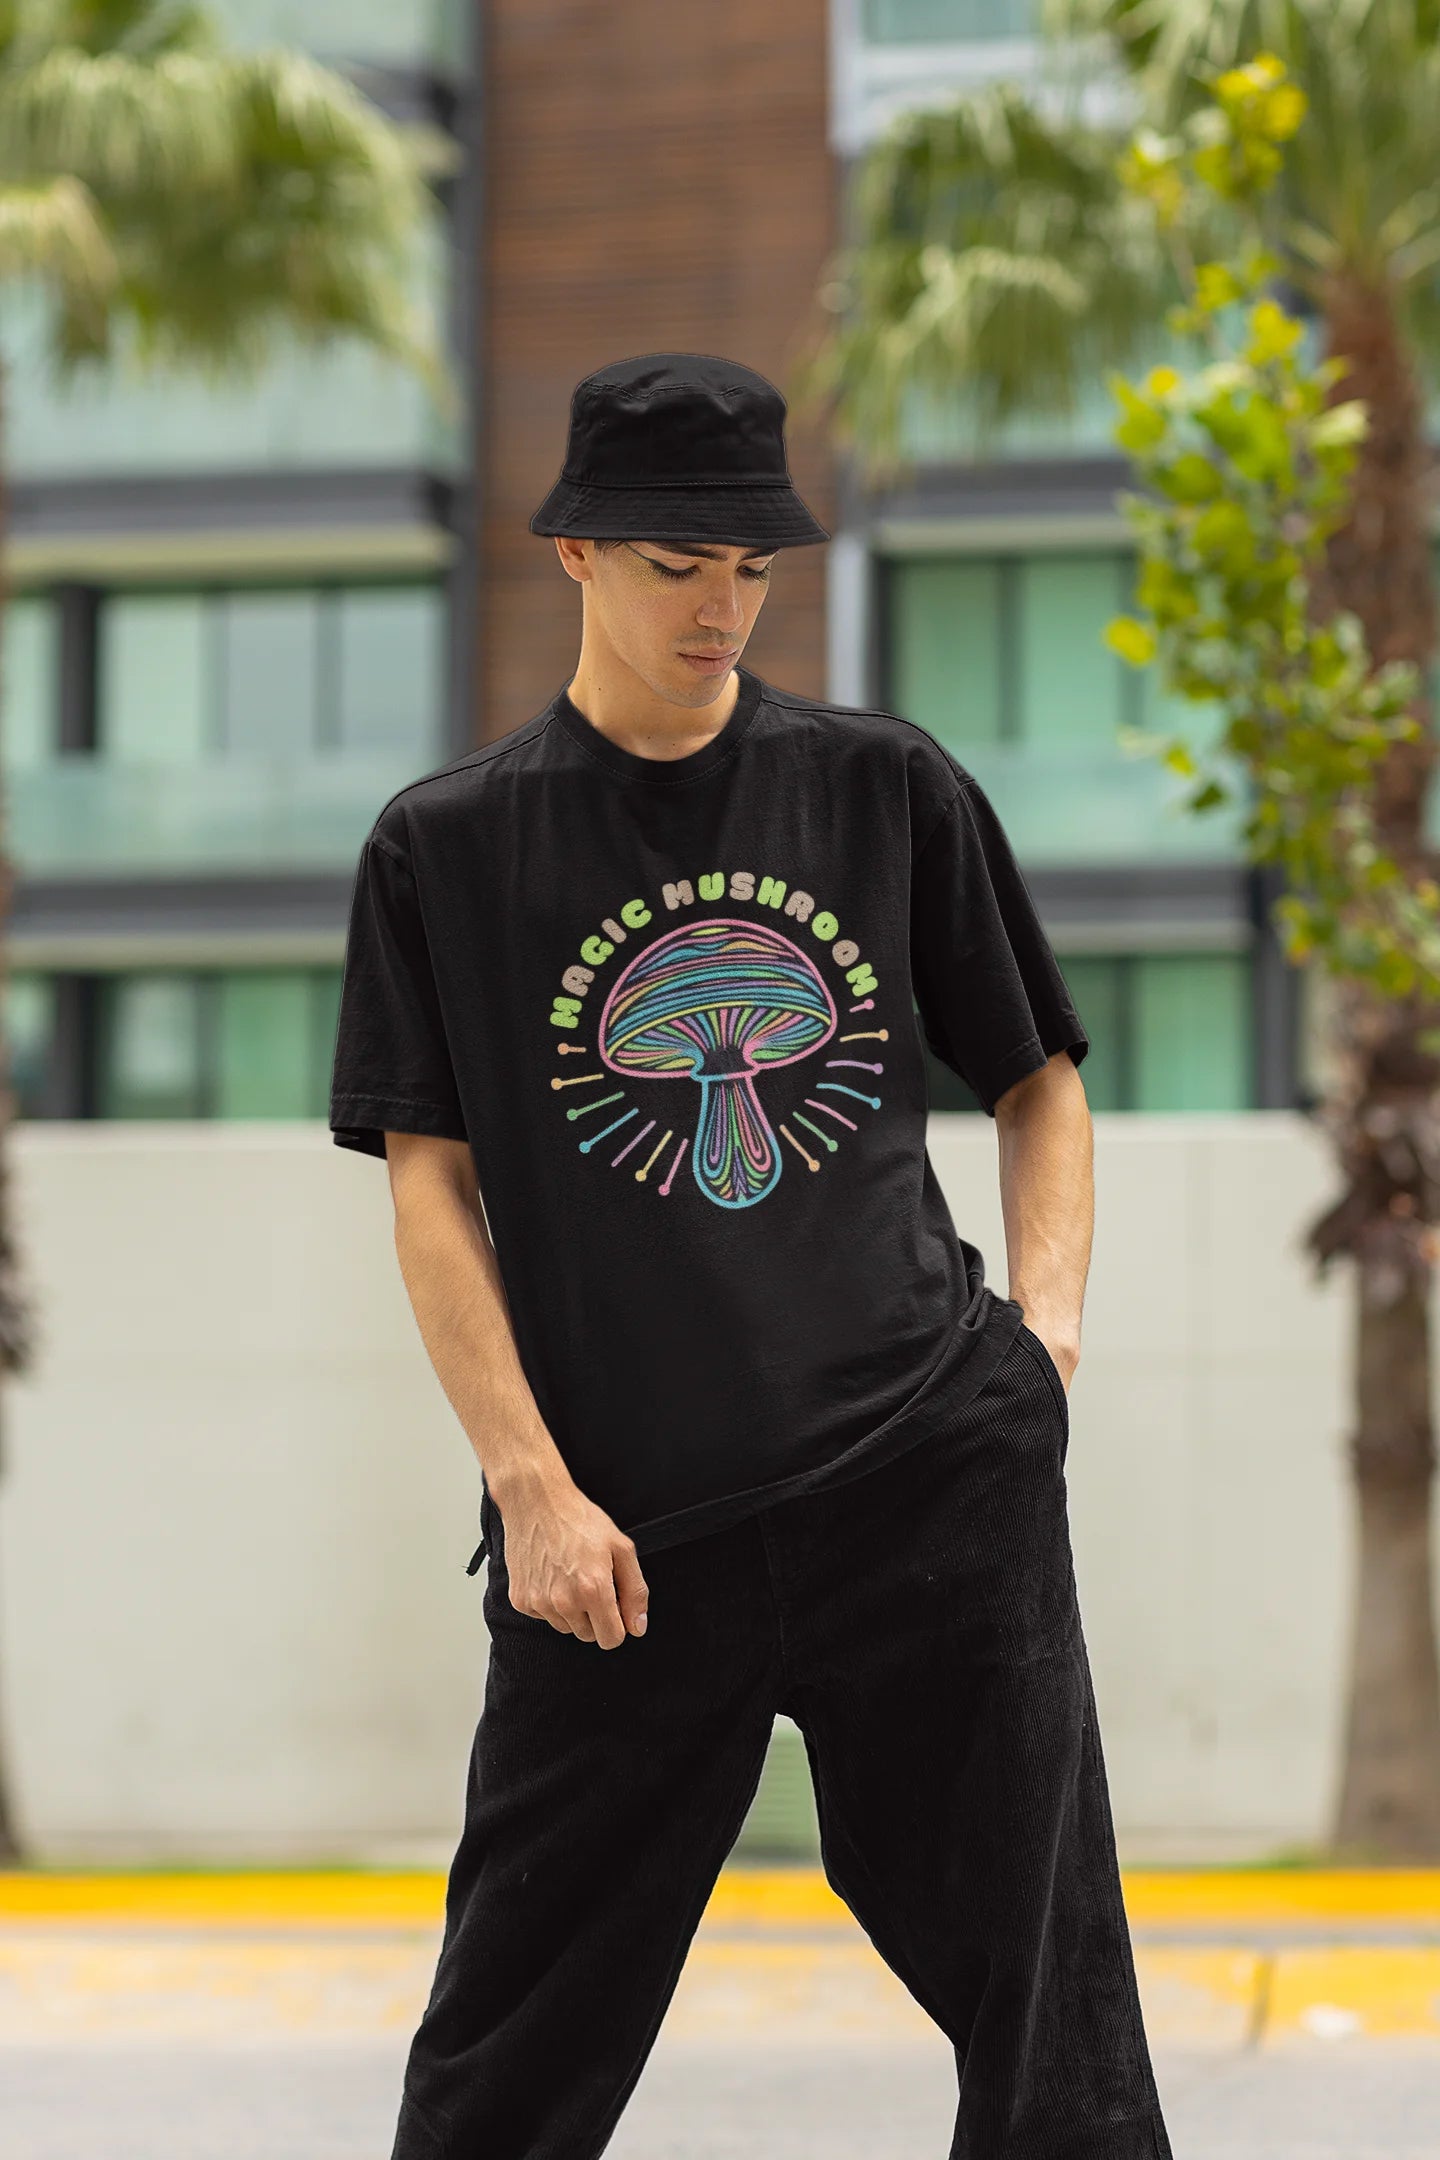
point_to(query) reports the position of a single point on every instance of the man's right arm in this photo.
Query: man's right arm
(567, 1561)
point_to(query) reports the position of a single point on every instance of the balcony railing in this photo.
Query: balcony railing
(1096, 808)
(83, 817)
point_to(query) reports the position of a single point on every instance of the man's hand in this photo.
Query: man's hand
(1047, 1193)
(1062, 1342)
(570, 1564)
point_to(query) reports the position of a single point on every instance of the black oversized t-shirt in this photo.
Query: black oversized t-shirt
(672, 1006)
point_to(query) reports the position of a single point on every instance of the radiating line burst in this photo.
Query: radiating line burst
(800, 1147)
(584, 1109)
(670, 1173)
(648, 1126)
(830, 1111)
(840, 1088)
(645, 1168)
(606, 1130)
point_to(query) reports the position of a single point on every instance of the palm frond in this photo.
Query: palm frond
(245, 198)
(997, 263)
(51, 235)
(1363, 168)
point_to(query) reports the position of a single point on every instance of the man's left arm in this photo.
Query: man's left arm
(1047, 1193)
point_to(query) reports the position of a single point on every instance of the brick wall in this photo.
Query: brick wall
(657, 178)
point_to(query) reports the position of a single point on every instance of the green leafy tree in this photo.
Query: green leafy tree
(179, 205)
(1256, 179)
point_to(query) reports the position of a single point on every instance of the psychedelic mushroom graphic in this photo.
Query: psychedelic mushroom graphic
(719, 1002)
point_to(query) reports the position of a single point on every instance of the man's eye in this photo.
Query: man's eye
(666, 571)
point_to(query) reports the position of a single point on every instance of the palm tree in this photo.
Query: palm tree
(181, 205)
(996, 258)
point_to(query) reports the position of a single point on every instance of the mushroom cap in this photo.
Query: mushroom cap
(719, 997)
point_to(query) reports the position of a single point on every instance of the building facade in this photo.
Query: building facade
(237, 622)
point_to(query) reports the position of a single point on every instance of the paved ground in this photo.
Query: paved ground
(695, 2102)
(187, 2020)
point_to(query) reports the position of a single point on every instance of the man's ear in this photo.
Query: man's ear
(576, 557)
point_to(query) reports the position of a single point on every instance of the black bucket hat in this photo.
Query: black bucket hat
(677, 447)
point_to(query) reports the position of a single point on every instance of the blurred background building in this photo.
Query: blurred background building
(243, 621)
(238, 625)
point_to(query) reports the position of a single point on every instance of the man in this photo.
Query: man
(652, 971)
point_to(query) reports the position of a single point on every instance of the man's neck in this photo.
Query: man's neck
(617, 703)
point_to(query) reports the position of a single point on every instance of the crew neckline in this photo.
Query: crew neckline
(666, 772)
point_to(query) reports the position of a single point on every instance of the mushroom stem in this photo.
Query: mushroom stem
(735, 1158)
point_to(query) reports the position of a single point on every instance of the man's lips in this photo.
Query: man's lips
(711, 660)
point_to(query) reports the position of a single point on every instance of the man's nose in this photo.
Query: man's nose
(722, 610)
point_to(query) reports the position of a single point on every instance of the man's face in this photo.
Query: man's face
(680, 617)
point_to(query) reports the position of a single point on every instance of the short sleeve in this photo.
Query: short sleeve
(392, 1068)
(993, 1003)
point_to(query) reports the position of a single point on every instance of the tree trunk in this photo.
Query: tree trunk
(15, 1330)
(1383, 1115)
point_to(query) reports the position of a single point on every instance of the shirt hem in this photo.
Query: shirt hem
(912, 1424)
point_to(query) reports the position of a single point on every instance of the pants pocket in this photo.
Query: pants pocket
(1050, 1373)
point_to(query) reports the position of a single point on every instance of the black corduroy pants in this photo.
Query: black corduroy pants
(919, 1623)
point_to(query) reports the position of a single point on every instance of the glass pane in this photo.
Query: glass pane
(150, 1063)
(945, 631)
(1192, 1031)
(29, 666)
(391, 663)
(263, 1058)
(1097, 985)
(154, 682)
(77, 816)
(30, 1033)
(271, 663)
(1070, 682)
(899, 22)
(408, 34)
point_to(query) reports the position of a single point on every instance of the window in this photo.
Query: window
(30, 1037)
(1002, 658)
(272, 673)
(1168, 1031)
(233, 1043)
(29, 680)
(1009, 649)
(154, 685)
(942, 22)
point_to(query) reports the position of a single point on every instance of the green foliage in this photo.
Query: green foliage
(995, 251)
(1247, 460)
(193, 205)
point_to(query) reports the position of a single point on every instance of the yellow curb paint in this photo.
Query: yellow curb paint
(1357, 1992)
(1224, 1897)
(756, 1897)
(409, 1899)
(768, 1897)
(1206, 2000)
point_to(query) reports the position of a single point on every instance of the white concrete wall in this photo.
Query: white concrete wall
(234, 1618)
